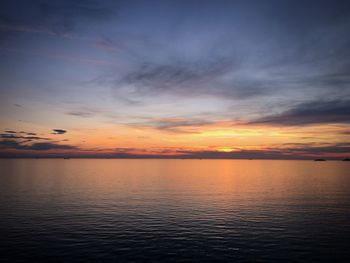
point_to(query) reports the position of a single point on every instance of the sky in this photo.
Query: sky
(266, 79)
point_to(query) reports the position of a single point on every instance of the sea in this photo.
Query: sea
(173, 210)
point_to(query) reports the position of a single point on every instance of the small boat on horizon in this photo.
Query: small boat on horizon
(320, 160)
(346, 160)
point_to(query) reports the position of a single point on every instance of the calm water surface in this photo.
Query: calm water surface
(174, 210)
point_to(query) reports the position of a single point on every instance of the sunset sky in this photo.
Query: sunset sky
(192, 79)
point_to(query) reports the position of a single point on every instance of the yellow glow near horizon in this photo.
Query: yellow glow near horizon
(225, 149)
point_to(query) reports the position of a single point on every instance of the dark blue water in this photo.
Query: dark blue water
(174, 210)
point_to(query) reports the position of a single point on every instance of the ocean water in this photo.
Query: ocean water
(119, 210)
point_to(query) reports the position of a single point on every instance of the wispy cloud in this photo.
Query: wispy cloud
(14, 136)
(58, 131)
(21, 136)
(173, 125)
(10, 131)
(314, 112)
(191, 79)
(84, 114)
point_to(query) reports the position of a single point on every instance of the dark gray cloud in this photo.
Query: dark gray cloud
(38, 146)
(28, 133)
(10, 132)
(294, 151)
(15, 136)
(21, 132)
(299, 151)
(10, 144)
(58, 131)
(21, 135)
(314, 112)
(44, 146)
(26, 141)
(340, 148)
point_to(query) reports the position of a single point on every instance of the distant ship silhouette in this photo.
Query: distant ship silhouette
(319, 160)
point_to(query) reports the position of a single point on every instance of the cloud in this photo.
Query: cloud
(292, 151)
(10, 131)
(10, 144)
(308, 113)
(58, 131)
(21, 135)
(297, 53)
(175, 125)
(24, 141)
(14, 132)
(295, 151)
(15, 136)
(340, 148)
(197, 78)
(84, 114)
(88, 112)
(38, 146)
(44, 146)
(124, 150)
